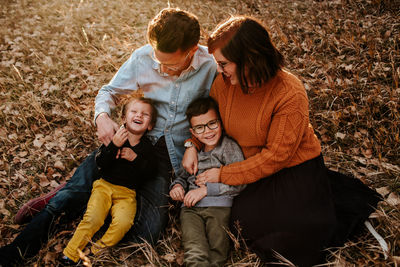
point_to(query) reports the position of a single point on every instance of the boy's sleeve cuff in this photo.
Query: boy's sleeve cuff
(212, 189)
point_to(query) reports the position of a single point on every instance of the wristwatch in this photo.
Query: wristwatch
(188, 144)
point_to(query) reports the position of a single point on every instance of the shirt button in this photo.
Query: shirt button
(170, 116)
(173, 102)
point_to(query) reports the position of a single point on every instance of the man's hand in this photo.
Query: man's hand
(190, 161)
(127, 153)
(106, 128)
(177, 192)
(194, 196)
(208, 176)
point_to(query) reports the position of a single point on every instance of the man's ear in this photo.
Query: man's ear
(191, 131)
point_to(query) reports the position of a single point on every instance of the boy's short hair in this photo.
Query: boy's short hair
(201, 106)
(173, 29)
(149, 101)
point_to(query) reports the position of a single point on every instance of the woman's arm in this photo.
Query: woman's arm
(289, 125)
(190, 161)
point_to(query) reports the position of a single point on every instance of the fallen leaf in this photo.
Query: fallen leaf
(3, 210)
(50, 172)
(56, 175)
(179, 258)
(367, 153)
(43, 180)
(54, 184)
(23, 153)
(62, 143)
(393, 199)
(39, 141)
(59, 247)
(357, 135)
(13, 136)
(383, 191)
(59, 165)
(3, 133)
(170, 257)
(50, 258)
(84, 258)
(340, 135)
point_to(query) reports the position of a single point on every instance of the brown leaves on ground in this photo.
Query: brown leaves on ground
(55, 55)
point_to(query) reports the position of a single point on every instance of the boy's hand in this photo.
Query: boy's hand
(120, 137)
(194, 196)
(127, 153)
(106, 128)
(177, 192)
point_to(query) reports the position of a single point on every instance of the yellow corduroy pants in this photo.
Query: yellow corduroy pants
(105, 197)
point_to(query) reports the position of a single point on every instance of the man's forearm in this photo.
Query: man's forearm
(100, 116)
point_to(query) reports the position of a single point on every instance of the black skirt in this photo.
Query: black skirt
(300, 211)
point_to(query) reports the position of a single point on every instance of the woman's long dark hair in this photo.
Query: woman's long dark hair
(245, 41)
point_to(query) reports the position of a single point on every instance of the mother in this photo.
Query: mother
(293, 204)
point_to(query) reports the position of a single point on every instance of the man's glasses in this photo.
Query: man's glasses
(200, 128)
(172, 67)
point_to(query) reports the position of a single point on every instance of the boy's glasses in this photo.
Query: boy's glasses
(200, 128)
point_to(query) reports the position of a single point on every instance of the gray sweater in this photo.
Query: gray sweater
(218, 194)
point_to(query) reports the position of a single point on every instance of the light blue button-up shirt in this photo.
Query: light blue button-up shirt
(171, 94)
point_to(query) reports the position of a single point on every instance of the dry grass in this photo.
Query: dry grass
(56, 54)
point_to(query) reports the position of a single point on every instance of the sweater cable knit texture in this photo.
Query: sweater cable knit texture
(271, 125)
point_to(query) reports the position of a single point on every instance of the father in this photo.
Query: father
(172, 70)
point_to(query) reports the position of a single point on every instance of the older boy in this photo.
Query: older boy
(206, 209)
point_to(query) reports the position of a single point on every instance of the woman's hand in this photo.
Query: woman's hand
(209, 176)
(194, 196)
(190, 161)
(177, 192)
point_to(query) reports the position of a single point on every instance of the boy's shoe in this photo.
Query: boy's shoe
(26, 213)
(65, 261)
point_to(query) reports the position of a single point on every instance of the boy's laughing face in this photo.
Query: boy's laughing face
(138, 117)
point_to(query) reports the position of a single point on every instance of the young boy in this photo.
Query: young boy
(205, 210)
(123, 164)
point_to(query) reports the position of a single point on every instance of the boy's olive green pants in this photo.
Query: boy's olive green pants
(204, 236)
(120, 201)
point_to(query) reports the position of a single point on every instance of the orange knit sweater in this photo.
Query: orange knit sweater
(271, 126)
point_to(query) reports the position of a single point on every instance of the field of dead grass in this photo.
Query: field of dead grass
(55, 55)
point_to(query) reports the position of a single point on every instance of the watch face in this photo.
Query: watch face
(188, 144)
